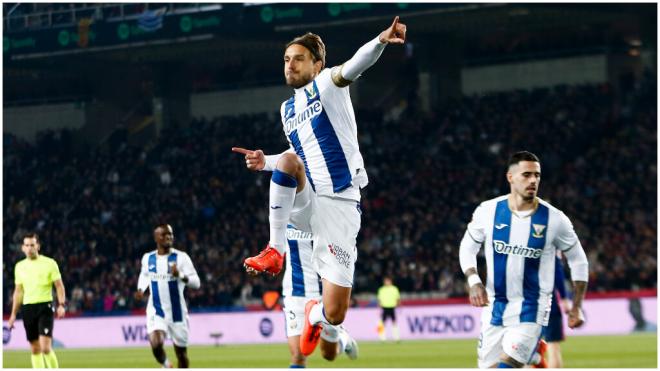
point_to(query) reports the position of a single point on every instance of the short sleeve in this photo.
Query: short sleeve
(186, 265)
(566, 237)
(476, 229)
(54, 271)
(18, 280)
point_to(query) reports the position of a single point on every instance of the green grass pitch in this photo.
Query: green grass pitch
(639, 350)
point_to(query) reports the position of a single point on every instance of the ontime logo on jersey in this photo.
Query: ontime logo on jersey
(160, 276)
(524, 251)
(306, 115)
(294, 234)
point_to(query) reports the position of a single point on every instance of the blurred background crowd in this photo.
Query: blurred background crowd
(95, 207)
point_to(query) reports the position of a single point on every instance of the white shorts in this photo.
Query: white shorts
(294, 313)
(517, 341)
(177, 331)
(335, 223)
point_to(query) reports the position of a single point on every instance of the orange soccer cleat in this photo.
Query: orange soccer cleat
(269, 260)
(311, 333)
(540, 349)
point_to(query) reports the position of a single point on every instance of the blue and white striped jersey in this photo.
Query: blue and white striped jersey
(520, 257)
(320, 126)
(300, 278)
(166, 299)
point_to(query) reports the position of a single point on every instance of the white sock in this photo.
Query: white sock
(330, 333)
(167, 363)
(344, 340)
(316, 315)
(282, 195)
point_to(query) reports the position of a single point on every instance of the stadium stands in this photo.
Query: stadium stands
(95, 207)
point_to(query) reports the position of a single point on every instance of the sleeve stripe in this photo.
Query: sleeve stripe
(572, 246)
(473, 239)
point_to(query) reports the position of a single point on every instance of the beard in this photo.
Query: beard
(299, 81)
(528, 197)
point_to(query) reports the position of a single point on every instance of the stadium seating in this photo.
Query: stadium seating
(95, 208)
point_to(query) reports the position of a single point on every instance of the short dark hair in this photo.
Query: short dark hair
(31, 235)
(313, 43)
(159, 225)
(522, 156)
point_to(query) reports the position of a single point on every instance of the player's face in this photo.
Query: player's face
(164, 236)
(525, 178)
(30, 247)
(299, 66)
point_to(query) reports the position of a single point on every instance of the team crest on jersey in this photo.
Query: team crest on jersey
(310, 92)
(538, 230)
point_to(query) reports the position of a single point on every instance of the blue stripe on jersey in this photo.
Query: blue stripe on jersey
(174, 292)
(290, 108)
(155, 295)
(503, 221)
(331, 149)
(295, 141)
(531, 289)
(297, 275)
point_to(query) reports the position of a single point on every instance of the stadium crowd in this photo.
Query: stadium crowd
(95, 208)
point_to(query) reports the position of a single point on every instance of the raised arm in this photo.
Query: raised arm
(368, 54)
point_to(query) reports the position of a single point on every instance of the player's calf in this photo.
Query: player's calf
(182, 357)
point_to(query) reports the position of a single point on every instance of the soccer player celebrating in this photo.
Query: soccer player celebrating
(521, 233)
(34, 277)
(319, 123)
(166, 272)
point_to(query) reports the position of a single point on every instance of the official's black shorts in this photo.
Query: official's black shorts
(388, 313)
(38, 320)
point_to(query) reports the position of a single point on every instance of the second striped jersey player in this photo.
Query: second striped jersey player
(166, 272)
(301, 283)
(520, 234)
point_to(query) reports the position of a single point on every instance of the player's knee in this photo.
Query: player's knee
(335, 317)
(290, 163)
(156, 343)
(335, 313)
(35, 348)
(46, 349)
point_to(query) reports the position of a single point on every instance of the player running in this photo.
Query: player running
(166, 272)
(319, 124)
(521, 233)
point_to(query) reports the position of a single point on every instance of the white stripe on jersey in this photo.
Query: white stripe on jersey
(300, 278)
(319, 124)
(520, 255)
